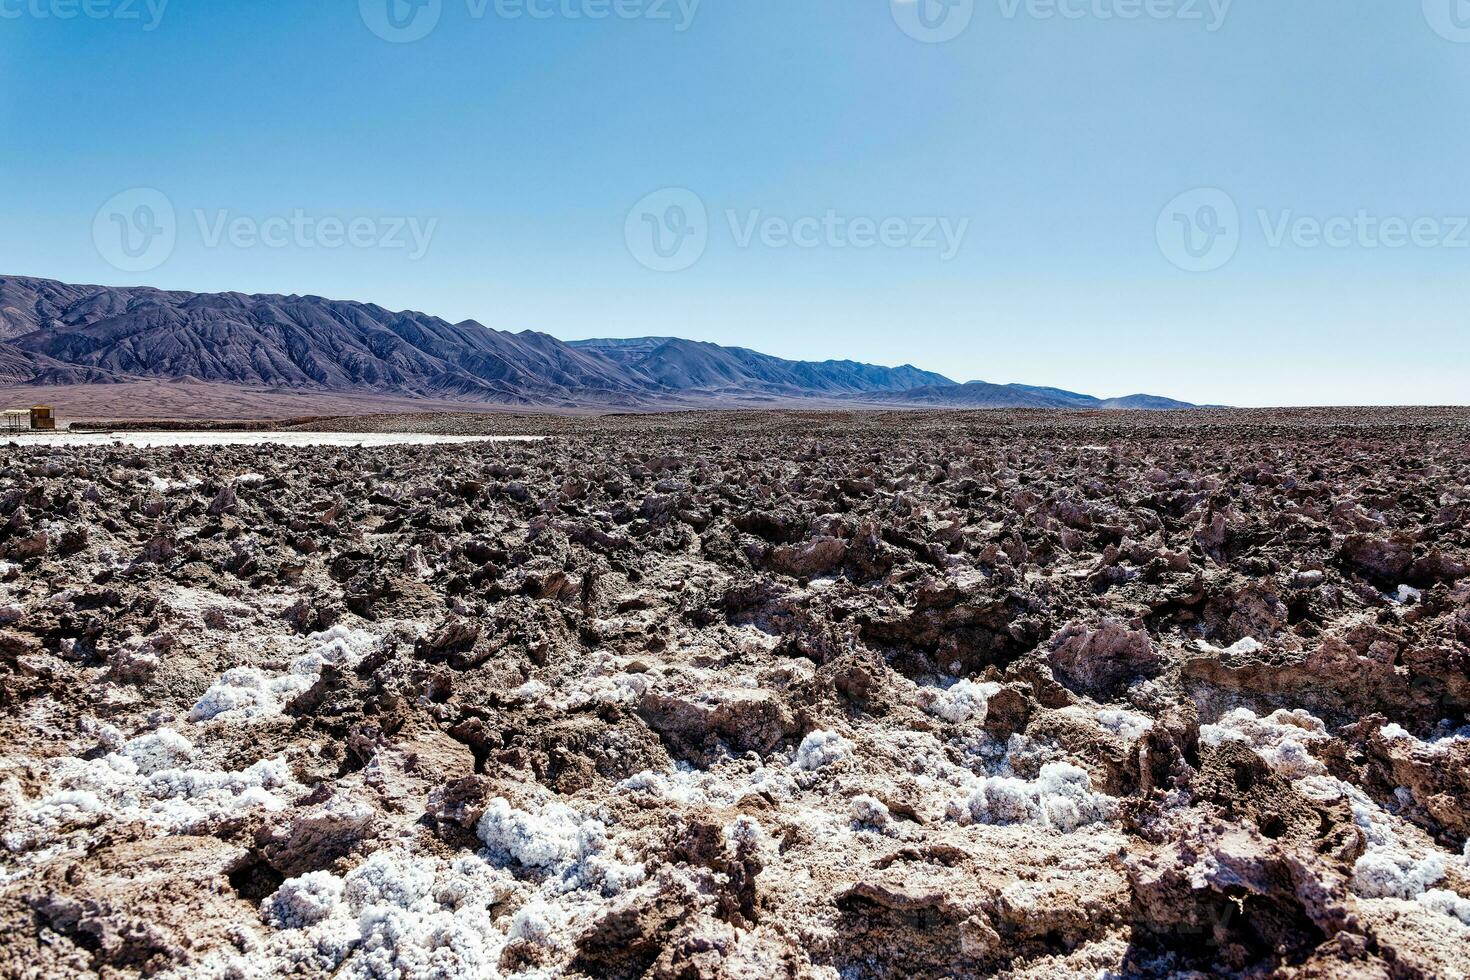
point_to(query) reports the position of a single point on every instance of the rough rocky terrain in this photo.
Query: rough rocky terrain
(728, 696)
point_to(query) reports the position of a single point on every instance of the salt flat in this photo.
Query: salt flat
(154, 440)
(786, 695)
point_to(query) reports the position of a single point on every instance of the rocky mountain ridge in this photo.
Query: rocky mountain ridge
(59, 333)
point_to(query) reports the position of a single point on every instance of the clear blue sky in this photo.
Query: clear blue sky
(1059, 139)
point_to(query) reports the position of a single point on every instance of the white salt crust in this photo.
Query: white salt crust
(1395, 864)
(246, 693)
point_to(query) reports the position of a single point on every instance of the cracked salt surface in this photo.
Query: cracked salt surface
(856, 785)
(149, 779)
(153, 440)
(1397, 864)
(1059, 799)
(963, 701)
(146, 781)
(545, 868)
(543, 872)
(1441, 743)
(248, 692)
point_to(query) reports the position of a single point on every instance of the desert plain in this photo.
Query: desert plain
(743, 695)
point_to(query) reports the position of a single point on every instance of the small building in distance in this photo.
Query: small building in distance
(39, 418)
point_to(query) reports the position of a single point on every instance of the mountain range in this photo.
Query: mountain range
(54, 333)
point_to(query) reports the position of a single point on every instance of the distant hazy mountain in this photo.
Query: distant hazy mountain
(980, 394)
(695, 365)
(56, 333)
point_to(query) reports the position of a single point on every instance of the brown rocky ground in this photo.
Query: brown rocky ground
(744, 696)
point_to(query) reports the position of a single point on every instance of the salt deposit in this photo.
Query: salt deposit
(153, 440)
